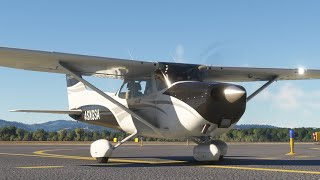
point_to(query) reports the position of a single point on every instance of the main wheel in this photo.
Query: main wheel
(101, 150)
(102, 159)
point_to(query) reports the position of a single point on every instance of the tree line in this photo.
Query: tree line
(268, 135)
(11, 133)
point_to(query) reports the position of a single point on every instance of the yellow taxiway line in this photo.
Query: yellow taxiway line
(115, 160)
(39, 167)
(303, 156)
(26, 155)
(43, 153)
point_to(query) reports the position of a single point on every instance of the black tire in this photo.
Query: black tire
(221, 158)
(102, 159)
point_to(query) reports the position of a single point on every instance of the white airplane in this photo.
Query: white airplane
(156, 99)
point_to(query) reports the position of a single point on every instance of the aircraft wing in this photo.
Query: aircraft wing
(81, 64)
(120, 68)
(246, 74)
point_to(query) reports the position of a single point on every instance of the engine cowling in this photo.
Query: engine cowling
(219, 103)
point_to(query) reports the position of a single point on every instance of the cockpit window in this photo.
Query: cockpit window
(124, 91)
(170, 73)
(135, 88)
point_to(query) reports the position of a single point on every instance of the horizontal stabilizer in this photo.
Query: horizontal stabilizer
(70, 112)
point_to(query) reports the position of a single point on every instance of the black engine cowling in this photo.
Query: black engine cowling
(218, 103)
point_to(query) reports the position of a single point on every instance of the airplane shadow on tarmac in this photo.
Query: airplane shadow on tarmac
(189, 161)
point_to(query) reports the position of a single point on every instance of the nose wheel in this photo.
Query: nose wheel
(102, 159)
(214, 150)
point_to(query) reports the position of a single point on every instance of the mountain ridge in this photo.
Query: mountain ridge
(54, 125)
(71, 125)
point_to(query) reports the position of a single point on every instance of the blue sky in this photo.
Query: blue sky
(230, 33)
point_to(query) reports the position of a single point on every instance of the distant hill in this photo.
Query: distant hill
(54, 125)
(248, 126)
(64, 124)
(4, 123)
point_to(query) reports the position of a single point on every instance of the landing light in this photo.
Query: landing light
(233, 90)
(233, 93)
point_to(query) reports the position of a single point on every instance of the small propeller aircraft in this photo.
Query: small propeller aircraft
(156, 99)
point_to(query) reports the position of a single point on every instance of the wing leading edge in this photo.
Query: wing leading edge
(122, 68)
(236, 74)
(82, 64)
(246, 74)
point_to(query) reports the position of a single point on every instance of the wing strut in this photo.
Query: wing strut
(67, 70)
(274, 78)
(125, 139)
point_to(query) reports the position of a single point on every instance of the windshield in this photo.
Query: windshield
(170, 73)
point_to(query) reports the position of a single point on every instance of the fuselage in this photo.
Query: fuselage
(182, 110)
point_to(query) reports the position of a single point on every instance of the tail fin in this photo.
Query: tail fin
(74, 85)
(74, 88)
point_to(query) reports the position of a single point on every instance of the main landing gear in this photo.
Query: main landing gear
(213, 150)
(102, 149)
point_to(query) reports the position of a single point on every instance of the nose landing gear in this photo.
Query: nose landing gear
(214, 150)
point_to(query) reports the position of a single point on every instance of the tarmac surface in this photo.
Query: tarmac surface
(170, 161)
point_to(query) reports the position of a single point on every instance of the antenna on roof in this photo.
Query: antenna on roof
(174, 59)
(130, 54)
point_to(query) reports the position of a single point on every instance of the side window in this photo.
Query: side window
(148, 87)
(136, 88)
(124, 93)
(142, 87)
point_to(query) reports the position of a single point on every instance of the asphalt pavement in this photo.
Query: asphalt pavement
(161, 161)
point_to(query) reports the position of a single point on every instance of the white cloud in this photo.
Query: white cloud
(285, 105)
(291, 97)
(288, 97)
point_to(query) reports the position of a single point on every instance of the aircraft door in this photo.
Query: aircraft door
(144, 97)
(142, 100)
(140, 95)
